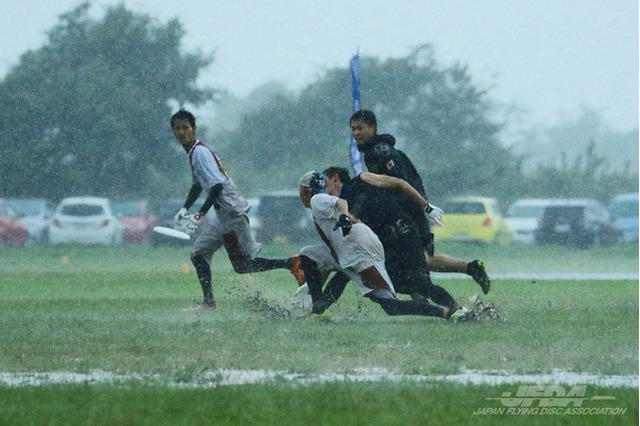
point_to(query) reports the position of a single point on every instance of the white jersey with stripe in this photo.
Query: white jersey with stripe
(359, 250)
(207, 170)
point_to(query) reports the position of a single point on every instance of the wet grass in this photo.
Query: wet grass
(126, 311)
(383, 403)
(618, 258)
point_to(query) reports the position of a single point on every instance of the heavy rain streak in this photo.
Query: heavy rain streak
(276, 195)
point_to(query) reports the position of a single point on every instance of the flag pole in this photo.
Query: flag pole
(354, 155)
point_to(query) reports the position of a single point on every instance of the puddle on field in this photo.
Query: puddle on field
(247, 377)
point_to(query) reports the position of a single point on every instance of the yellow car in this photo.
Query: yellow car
(476, 219)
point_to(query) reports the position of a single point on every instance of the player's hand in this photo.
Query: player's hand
(180, 218)
(344, 223)
(194, 223)
(434, 215)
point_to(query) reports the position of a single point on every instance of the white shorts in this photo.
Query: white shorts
(212, 237)
(322, 256)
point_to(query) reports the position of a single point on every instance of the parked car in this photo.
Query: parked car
(477, 219)
(576, 222)
(35, 215)
(85, 220)
(12, 231)
(136, 219)
(283, 218)
(254, 220)
(523, 217)
(624, 211)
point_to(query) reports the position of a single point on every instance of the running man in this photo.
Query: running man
(230, 226)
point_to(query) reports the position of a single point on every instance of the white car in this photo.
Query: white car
(85, 220)
(624, 210)
(523, 217)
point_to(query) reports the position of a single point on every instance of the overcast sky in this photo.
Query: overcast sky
(548, 56)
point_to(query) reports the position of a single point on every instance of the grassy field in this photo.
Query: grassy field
(120, 319)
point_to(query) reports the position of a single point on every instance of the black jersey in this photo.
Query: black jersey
(375, 206)
(382, 210)
(381, 157)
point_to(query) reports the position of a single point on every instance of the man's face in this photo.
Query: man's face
(184, 132)
(334, 186)
(361, 131)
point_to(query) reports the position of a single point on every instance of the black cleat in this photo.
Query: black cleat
(476, 270)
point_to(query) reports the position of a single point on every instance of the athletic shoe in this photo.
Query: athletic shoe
(323, 317)
(296, 269)
(479, 275)
(461, 315)
(208, 307)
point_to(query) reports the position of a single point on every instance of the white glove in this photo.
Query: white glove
(193, 224)
(302, 298)
(434, 215)
(181, 218)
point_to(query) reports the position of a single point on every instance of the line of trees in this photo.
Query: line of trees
(88, 114)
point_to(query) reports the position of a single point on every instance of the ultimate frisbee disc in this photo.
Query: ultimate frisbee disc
(170, 232)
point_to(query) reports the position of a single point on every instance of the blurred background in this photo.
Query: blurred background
(522, 119)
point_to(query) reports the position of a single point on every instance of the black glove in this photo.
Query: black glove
(344, 223)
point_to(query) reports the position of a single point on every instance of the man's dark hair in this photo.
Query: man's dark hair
(183, 114)
(368, 117)
(342, 173)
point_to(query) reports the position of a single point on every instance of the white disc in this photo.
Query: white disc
(170, 232)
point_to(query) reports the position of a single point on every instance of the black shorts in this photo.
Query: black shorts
(403, 245)
(409, 281)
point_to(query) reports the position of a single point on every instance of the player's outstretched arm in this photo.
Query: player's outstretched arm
(384, 181)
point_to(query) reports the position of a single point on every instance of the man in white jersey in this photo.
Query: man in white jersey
(230, 226)
(351, 247)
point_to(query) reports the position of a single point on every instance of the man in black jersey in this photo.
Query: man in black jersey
(381, 157)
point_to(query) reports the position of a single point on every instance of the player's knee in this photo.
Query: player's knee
(388, 305)
(198, 260)
(414, 282)
(386, 299)
(309, 266)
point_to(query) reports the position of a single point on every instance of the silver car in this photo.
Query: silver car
(35, 215)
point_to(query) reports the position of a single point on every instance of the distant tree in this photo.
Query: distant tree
(437, 115)
(576, 157)
(88, 112)
(442, 120)
(587, 176)
(569, 137)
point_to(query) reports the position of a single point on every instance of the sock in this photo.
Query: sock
(263, 264)
(204, 276)
(442, 297)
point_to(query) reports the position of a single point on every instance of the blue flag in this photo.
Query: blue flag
(354, 155)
